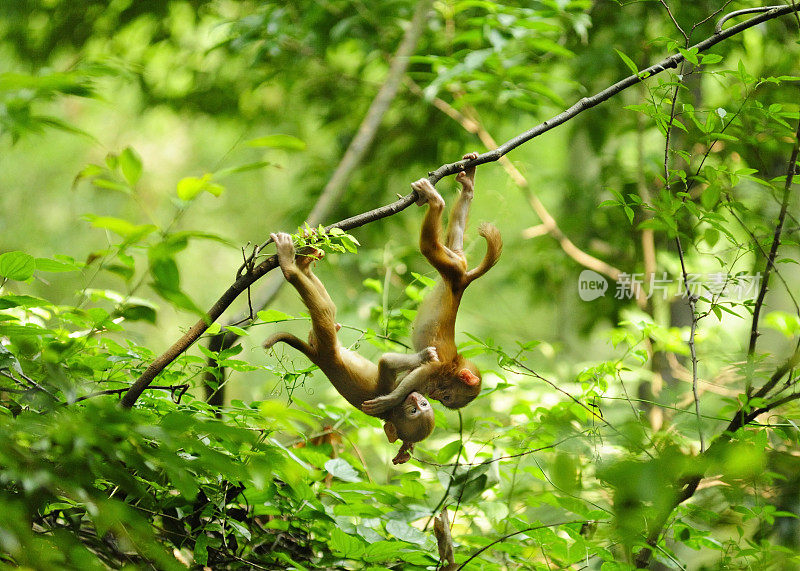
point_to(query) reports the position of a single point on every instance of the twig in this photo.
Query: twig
(526, 530)
(265, 266)
(776, 242)
(176, 391)
(726, 17)
(33, 384)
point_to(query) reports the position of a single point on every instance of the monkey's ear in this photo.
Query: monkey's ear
(390, 430)
(469, 378)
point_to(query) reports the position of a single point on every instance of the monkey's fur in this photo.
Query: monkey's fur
(453, 380)
(356, 378)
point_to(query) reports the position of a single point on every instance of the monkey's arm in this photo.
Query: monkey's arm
(390, 364)
(414, 381)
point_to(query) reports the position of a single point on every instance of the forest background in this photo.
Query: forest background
(147, 147)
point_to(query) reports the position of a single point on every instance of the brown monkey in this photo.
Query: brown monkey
(453, 380)
(356, 378)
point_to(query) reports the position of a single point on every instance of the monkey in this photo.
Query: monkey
(355, 377)
(452, 379)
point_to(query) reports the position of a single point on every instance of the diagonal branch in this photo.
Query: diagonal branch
(249, 277)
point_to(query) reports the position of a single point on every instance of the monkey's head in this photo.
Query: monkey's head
(458, 383)
(411, 421)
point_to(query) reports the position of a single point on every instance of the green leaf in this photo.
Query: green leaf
(448, 451)
(711, 236)
(286, 142)
(786, 323)
(340, 468)
(347, 545)
(131, 232)
(48, 265)
(8, 360)
(107, 184)
(238, 528)
(708, 59)
(628, 61)
(201, 548)
(131, 165)
(165, 272)
(17, 266)
(273, 316)
(383, 551)
(188, 188)
(401, 530)
(9, 301)
(241, 168)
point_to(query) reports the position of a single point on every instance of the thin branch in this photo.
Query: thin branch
(261, 269)
(33, 384)
(726, 17)
(776, 242)
(176, 391)
(526, 530)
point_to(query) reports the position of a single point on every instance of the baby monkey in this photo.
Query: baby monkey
(452, 379)
(356, 378)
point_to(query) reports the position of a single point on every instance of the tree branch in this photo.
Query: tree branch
(258, 271)
(776, 242)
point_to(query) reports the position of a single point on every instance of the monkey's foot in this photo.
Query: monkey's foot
(429, 355)
(305, 260)
(285, 247)
(404, 454)
(426, 194)
(466, 178)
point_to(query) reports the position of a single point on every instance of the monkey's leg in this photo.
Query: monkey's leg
(448, 264)
(304, 264)
(458, 220)
(319, 305)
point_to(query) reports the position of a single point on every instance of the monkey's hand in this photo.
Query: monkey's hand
(426, 194)
(466, 178)
(428, 355)
(381, 404)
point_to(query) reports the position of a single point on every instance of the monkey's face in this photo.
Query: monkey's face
(458, 386)
(413, 419)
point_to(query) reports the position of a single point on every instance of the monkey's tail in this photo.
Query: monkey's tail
(494, 246)
(292, 341)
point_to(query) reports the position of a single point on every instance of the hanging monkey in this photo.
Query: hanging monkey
(452, 379)
(356, 378)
